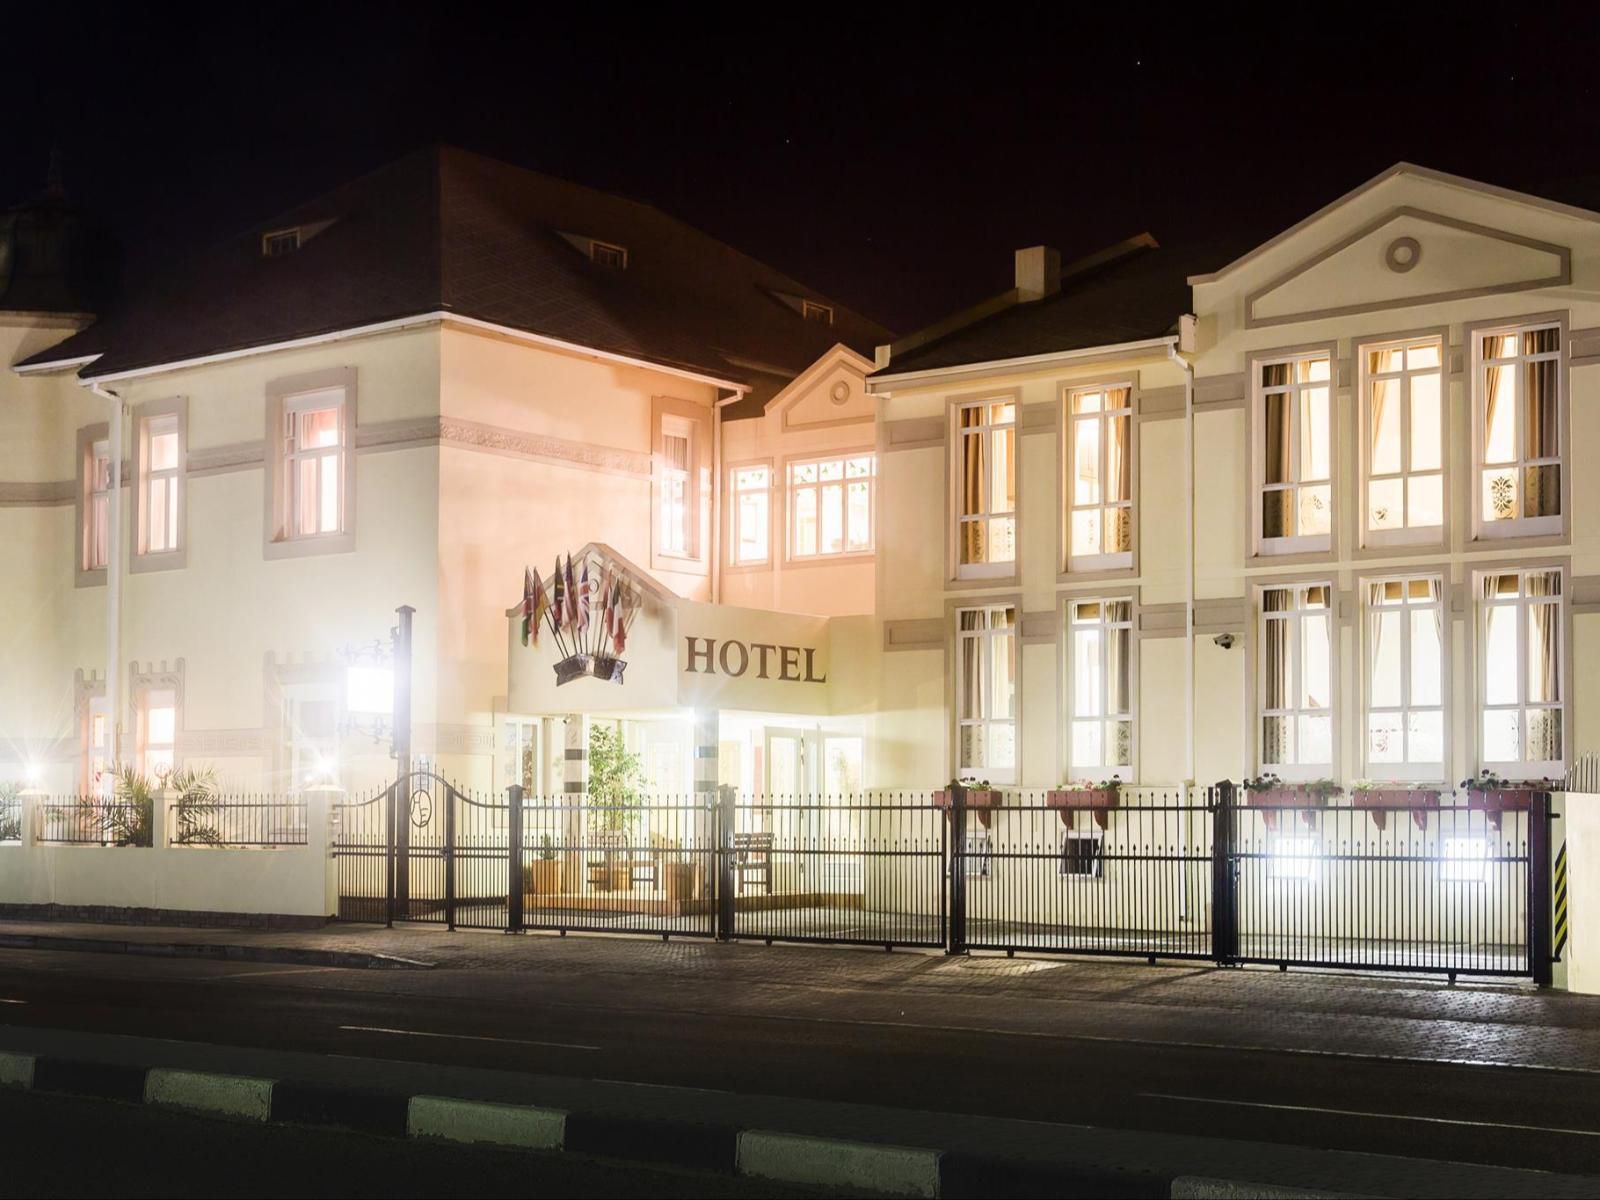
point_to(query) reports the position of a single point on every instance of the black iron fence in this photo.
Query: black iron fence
(10, 817)
(95, 821)
(1456, 887)
(239, 822)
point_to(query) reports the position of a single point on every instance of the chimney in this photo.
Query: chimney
(1038, 272)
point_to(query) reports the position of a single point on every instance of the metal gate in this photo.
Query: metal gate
(422, 850)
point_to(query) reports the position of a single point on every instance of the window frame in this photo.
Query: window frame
(600, 252)
(1547, 528)
(1294, 772)
(85, 574)
(95, 752)
(815, 310)
(142, 708)
(666, 414)
(997, 776)
(731, 559)
(294, 393)
(1544, 768)
(1068, 707)
(1301, 547)
(273, 239)
(1407, 770)
(1385, 540)
(989, 572)
(843, 457)
(1122, 561)
(142, 558)
(1097, 859)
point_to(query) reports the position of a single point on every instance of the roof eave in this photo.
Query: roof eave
(1010, 366)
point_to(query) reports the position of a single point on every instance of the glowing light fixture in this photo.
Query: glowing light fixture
(369, 691)
(1464, 859)
(1293, 858)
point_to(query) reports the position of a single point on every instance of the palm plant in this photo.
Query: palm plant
(130, 819)
(10, 812)
(197, 806)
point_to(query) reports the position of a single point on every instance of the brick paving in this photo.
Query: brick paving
(1320, 1012)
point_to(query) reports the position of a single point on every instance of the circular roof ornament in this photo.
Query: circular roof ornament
(840, 392)
(1402, 254)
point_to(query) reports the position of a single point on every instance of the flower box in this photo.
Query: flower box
(1303, 799)
(1099, 801)
(983, 801)
(1378, 802)
(1497, 801)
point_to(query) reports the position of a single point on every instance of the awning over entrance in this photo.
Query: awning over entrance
(682, 654)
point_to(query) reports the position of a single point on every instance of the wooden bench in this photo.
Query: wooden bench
(752, 855)
(617, 856)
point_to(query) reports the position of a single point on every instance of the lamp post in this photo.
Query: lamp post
(399, 809)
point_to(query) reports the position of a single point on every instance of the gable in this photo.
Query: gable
(832, 392)
(1407, 256)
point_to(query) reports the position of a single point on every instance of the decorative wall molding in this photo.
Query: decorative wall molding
(457, 739)
(1039, 628)
(48, 494)
(918, 633)
(1585, 593)
(1037, 418)
(495, 439)
(235, 456)
(1215, 392)
(1583, 347)
(1230, 614)
(914, 433)
(223, 743)
(1161, 404)
(1161, 620)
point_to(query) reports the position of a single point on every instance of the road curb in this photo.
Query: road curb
(876, 1168)
(222, 951)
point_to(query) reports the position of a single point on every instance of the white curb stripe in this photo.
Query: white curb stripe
(203, 1091)
(518, 1125)
(1202, 1187)
(825, 1162)
(16, 1070)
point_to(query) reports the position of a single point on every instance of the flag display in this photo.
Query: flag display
(588, 607)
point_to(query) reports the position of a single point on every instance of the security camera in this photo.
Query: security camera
(1225, 640)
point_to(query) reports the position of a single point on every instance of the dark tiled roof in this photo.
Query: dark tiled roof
(1137, 296)
(446, 230)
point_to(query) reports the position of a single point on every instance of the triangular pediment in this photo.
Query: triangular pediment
(832, 391)
(1408, 256)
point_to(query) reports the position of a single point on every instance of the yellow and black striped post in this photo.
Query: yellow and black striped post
(1560, 886)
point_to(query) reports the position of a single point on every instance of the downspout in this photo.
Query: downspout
(716, 493)
(113, 577)
(1189, 569)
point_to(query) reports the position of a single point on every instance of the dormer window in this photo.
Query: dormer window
(812, 311)
(604, 254)
(280, 242)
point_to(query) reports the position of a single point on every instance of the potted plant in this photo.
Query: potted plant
(1494, 794)
(544, 873)
(980, 797)
(1268, 792)
(1379, 798)
(1098, 798)
(616, 790)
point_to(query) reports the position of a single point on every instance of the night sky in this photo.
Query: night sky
(893, 161)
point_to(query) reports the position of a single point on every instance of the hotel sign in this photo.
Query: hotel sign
(759, 660)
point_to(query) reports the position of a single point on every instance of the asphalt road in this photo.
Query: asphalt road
(135, 1150)
(826, 1048)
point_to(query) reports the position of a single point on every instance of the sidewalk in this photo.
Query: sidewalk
(1402, 1017)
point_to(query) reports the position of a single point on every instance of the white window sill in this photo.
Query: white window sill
(1317, 544)
(1100, 562)
(995, 570)
(1421, 535)
(1490, 531)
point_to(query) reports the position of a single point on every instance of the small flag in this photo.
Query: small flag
(541, 605)
(620, 604)
(558, 608)
(584, 601)
(527, 606)
(572, 596)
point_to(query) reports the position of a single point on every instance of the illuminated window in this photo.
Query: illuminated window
(1292, 858)
(310, 733)
(1405, 678)
(677, 487)
(161, 483)
(95, 770)
(157, 743)
(1517, 407)
(986, 489)
(986, 692)
(1464, 859)
(313, 464)
(750, 507)
(1099, 485)
(1295, 681)
(1403, 427)
(830, 507)
(97, 508)
(978, 859)
(1521, 673)
(604, 254)
(1099, 663)
(1293, 400)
